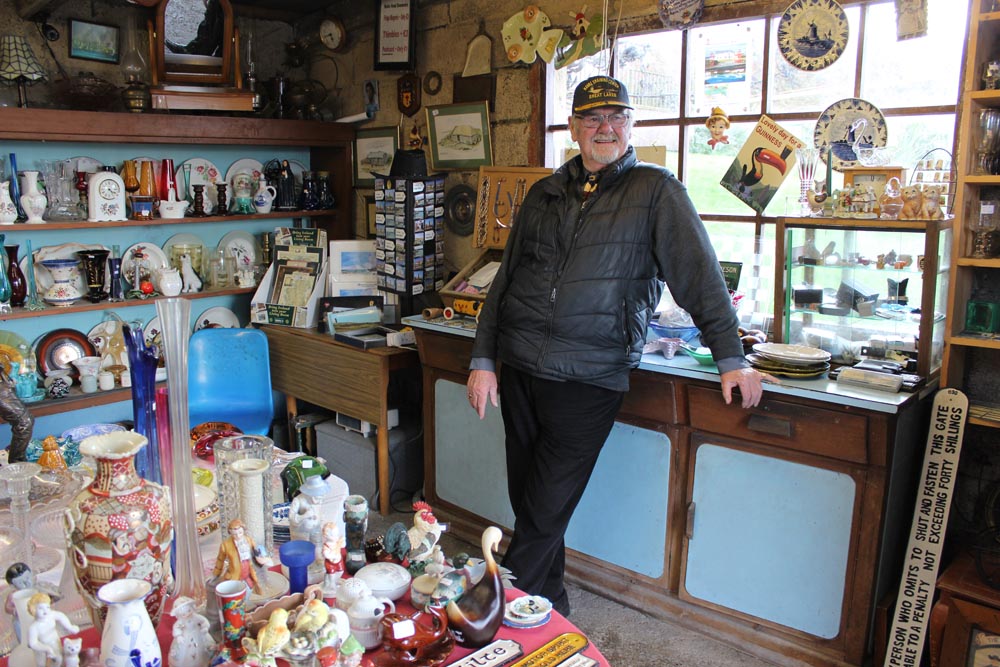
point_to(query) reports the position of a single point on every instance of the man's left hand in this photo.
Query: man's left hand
(748, 381)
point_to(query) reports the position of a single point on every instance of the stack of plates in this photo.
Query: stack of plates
(529, 611)
(797, 361)
(279, 523)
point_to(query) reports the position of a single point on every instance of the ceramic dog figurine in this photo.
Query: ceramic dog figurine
(192, 283)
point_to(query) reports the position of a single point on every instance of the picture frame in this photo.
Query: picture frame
(373, 152)
(94, 41)
(459, 136)
(971, 629)
(395, 31)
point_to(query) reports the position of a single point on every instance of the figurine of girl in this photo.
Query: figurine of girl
(333, 557)
(192, 645)
(717, 125)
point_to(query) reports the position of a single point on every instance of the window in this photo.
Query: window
(914, 82)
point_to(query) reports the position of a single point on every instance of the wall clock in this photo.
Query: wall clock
(333, 34)
(105, 197)
(812, 34)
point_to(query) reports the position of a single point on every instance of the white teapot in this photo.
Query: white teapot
(350, 591)
(364, 616)
(167, 281)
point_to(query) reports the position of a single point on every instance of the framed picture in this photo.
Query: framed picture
(94, 41)
(459, 136)
(394, 34)
(373, 151)
(370, 215)
(971, 635)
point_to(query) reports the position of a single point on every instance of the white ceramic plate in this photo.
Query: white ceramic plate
(148, 252)
(512, 621)
(803, 354)
(43, 278)
(841, 124)
(247, 164)
(88, 164)
(243, 246)
(217, 318)
(204, 173)
(812, 34)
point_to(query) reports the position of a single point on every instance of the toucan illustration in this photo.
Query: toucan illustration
(760, 157)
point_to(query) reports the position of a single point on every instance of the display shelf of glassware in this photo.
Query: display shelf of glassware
(858, 288)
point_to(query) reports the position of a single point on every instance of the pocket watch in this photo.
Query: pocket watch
(332, 34)
(105, 197)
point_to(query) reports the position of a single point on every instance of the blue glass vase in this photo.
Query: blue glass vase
(143, 361)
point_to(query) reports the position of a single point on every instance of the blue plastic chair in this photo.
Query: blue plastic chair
(229, 379)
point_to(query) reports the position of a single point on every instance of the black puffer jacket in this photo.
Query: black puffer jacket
(579, 280)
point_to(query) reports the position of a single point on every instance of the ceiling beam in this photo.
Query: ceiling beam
(26, 9)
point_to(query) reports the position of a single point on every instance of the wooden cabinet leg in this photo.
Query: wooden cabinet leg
(292, 411)
(935, 630)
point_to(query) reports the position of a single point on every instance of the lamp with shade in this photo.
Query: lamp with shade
(18, 65)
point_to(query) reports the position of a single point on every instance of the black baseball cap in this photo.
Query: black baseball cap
(600, 91)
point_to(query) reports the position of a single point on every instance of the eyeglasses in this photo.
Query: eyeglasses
(595, 120)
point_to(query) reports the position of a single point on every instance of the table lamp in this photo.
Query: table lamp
(19, 65)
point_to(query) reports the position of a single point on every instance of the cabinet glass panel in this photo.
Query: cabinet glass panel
(863, 291)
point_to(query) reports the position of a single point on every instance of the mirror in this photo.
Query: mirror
(194, 41)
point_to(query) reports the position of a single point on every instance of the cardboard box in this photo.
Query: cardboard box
(301, 317)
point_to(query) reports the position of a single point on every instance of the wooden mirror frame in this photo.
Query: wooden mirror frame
(193, 69)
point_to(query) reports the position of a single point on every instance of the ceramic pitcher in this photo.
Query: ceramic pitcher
(129, 628)
(263, 199)
(364, 616)
(32, 200)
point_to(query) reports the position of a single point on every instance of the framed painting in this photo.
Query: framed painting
(971, 635)
(395, 35)
(373, 151)
(459, 136)
(94, 41)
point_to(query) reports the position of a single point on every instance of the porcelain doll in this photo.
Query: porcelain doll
(333, 557)
(20, 577)
(236, 557)
(192, 645)
(44, 637)
(717, 125)
(303, 513)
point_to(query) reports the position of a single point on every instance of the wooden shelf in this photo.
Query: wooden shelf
(974, 341)
(989, 263)
(190, 220)
(77, 400)
(984, 415)
(84, 305)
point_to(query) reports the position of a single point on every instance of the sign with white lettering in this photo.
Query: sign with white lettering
(495, 654)
(394, 37)
(930, 519)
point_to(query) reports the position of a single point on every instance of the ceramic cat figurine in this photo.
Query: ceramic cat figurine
(71, 651)
(912, 202)
(931, 207)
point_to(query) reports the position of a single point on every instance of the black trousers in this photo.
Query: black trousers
(554, 434)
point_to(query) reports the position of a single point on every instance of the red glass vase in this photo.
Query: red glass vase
(167, 181)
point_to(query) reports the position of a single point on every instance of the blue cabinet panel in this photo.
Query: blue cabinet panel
(770, 538)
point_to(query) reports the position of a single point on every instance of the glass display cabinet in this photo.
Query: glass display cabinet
(864, 288)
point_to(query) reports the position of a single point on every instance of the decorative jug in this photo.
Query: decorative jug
(263, 199)
(243, 193)
(167, 281)
(64, 290)
(32, 200)
(120, 526)
(129, 632)
(364, 616)
(8, 209)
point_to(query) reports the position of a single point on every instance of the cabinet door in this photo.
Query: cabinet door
(622, 517)
(768, 537)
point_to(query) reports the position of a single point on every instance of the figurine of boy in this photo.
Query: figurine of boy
(192, 646)
(303, 513)
(717, 125)
(21, 578)
(237, 555)
(333, 557)
(44, 637)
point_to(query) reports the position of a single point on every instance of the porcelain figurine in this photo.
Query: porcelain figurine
(237, 554)
(717, 125)
(303, 513)
(271, 639)
(333, 558)
(21, 578)
(71, 648)
(192, 645)
(51, 458)
(44, 636)
(192, 283)
(168, 281)
(424, 534)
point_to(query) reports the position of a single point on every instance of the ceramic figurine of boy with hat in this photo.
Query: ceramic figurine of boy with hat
(303, 513)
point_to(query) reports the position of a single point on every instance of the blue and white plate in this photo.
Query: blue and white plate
(78, 433)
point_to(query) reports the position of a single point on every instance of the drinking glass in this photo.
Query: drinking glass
(807, 158)
(987, 139)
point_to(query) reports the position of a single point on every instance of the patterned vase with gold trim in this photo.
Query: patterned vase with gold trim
(121, 526)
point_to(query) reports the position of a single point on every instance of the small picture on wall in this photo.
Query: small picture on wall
(371, 96)
(93, 41)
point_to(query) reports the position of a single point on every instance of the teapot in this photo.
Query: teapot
(172, 208)
(350, 591)
(263, 199)
(429, 636)
(167, 281)
(364, 616)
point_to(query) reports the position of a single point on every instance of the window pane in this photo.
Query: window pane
(791, 89)
(725, 66)
(657, 145)
(913, 72)
(562, 83)
(735, 242)
(650, 67)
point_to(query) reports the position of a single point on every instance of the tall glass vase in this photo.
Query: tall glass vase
(18, 283)
(143, 361)
(175, 323)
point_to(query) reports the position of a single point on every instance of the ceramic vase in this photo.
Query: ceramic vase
(232, 600)
(32, 200)
(63, 291)
(95, 270)
(143, 361)
(355, 526)
(8, 209)
(18, 283)
(175, 322)
(129, 637)
(120, 526)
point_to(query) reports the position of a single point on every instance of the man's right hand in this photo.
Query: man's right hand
(482, 385)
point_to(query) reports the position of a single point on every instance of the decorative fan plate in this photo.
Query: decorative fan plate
(812, 34)
(837, 128)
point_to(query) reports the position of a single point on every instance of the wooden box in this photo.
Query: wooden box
(450, 292)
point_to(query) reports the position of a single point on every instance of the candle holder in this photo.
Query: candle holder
(199, 200)
(221, 208)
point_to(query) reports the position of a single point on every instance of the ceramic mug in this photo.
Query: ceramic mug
(106, 380)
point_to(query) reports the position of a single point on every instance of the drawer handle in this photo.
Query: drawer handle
(770, 425)
(689, 528)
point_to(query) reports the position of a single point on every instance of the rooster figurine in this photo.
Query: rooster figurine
(475, 617)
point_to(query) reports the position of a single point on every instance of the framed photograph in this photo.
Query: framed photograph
(94, 41)
(459, 136)
(971, 635)
(394, 34)
(373, 151)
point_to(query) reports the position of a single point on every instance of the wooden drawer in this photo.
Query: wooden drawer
(444, 351)
(651, 396)
(799, 427)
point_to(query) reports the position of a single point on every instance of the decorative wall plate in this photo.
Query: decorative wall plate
(680, 14)
(58, 348)
(150, 254)
(521, 33)
(242, 245)
(839, 128)
(812, 34)
(218, 317)
(204, 173)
